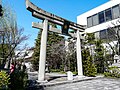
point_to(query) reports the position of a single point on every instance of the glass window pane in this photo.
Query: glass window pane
(108, 15)
(89, 21)
(103, 34)
(101, 17)
(116, 12)
(111, 33)
(95, 19)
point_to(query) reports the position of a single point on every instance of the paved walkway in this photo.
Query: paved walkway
(95, 84)
(57, 81)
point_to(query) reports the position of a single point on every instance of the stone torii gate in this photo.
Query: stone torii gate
(49, 17)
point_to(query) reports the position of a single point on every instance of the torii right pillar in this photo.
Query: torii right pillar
(79, 55)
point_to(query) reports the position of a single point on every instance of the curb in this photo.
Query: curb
(49, 84)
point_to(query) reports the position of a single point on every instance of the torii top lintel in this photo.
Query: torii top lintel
(42, 14)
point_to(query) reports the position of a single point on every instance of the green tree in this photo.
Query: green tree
(88, 65)
(53, 39)
(89, 68)
(36, 53)
(97, 51)
(11, 36)
(99, 57)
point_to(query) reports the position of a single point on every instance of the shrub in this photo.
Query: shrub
(89, 68)
(18, 80)
(113, 72)
(55, 70)
(4, 80)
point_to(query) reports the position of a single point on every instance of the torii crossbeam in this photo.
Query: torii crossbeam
(49, 17)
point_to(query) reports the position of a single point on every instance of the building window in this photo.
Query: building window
(103, 34)
(101, 17)
(95, 19)
(108, 14)
(116, 12)
(89, 21)
(111, 33)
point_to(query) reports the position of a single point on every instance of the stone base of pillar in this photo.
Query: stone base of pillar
(42, 82)
(78, 76)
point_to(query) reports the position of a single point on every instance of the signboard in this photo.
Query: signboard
(65, 27)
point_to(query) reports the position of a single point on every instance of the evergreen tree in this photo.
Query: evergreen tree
(88, 65)
(99, 56)
(53, 38)
(36, 53)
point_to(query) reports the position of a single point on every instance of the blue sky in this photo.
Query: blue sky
(68, 9)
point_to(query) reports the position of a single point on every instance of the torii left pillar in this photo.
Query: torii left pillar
(42, 58)
(79, 56)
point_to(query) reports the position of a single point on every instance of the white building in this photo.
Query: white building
(101, 17)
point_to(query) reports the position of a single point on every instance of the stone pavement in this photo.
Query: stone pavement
(63, 80)
(57, 81)
(94, 84)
